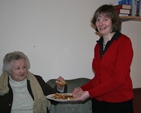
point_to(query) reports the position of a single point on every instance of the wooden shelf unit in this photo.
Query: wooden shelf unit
(127, 18)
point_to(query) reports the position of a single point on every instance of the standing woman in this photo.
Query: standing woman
(111, 88)
(20, 90)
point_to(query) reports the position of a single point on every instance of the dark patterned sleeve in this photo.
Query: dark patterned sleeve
(47, 89)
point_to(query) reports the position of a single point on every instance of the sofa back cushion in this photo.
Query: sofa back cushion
(72, 107)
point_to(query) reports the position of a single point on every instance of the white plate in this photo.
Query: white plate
(50, 97)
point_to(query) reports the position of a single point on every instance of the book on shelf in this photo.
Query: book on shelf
(124, 1)
(124, 14)
(133, 3)
(138, 8)
(135, 6)
(123, 11)
(123, 6)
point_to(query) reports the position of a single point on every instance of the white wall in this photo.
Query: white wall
(57, 37)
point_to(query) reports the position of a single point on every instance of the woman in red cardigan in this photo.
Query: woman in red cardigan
(111, 87)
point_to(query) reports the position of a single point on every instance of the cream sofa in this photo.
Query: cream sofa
(71, 107)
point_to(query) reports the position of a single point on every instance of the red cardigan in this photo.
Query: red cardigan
(112, 82)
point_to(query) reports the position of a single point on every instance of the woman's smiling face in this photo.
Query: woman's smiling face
(104, 24)
(19, 70)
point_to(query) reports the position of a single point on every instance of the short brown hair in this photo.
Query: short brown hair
(110, 12)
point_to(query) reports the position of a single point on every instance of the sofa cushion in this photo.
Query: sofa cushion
(72, 107)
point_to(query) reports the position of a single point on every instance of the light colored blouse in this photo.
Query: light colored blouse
(22, 100)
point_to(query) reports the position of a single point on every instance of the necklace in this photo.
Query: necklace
(104, 46)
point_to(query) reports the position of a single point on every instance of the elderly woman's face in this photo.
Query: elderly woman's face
(19, 70)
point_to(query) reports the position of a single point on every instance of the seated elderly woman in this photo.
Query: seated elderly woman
(20, 90)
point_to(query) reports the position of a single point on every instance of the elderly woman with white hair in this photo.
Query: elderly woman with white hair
(20, 90)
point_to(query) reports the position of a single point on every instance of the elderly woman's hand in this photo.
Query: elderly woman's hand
(60, 81)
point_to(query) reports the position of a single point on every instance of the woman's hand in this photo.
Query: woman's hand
(77, 91)
(60, 82)
(80, 95)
